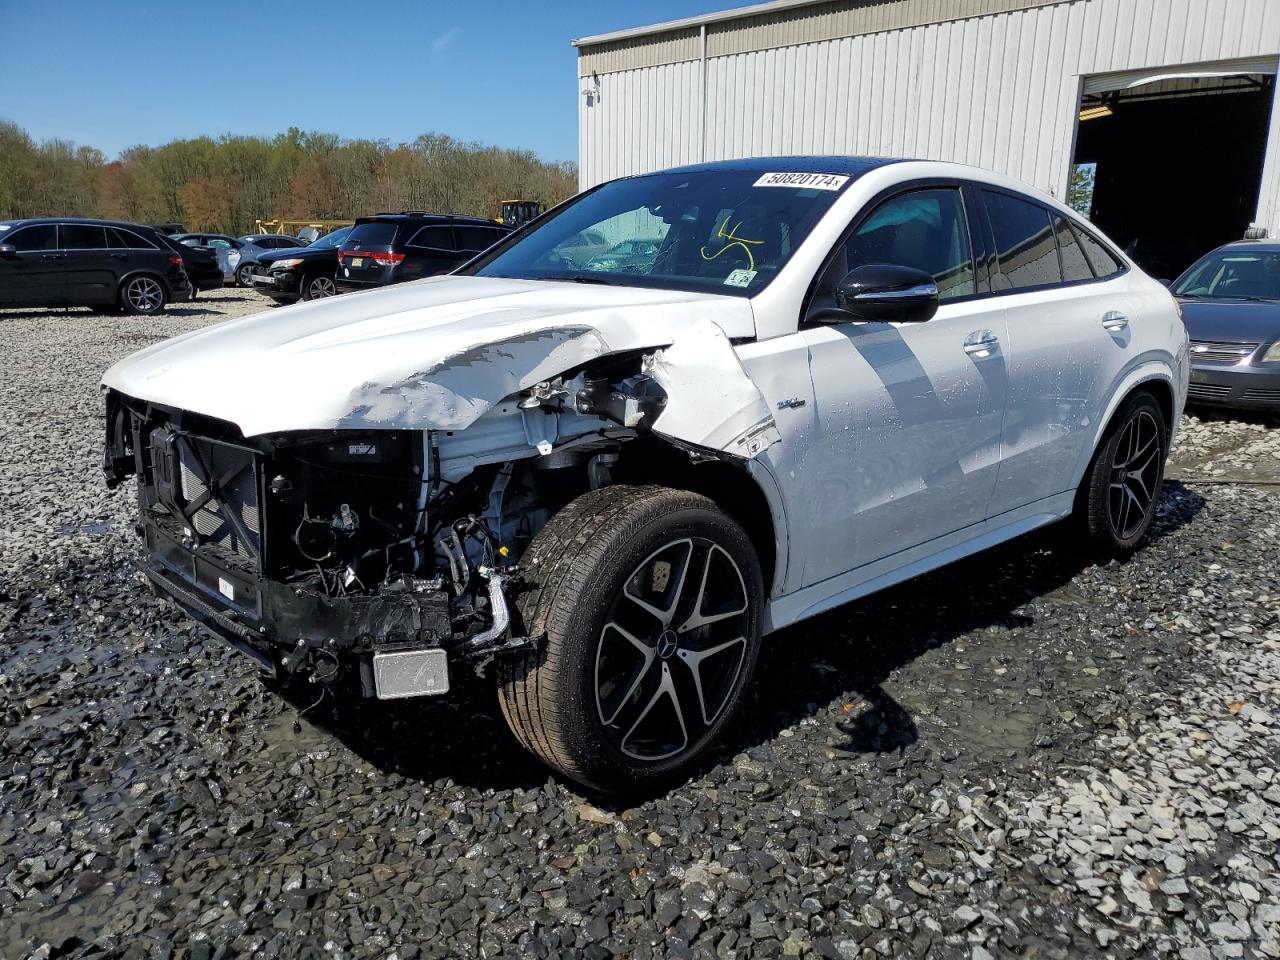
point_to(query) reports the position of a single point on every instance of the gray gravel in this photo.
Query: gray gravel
(1019, 755)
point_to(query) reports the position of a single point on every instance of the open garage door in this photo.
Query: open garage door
(1168, 162)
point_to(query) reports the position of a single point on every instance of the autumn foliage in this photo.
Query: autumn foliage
(224, 184)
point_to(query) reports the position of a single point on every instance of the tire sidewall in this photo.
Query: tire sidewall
(244, 275)
(128, 308)
(603, 763)
(307, 281)
(1098, 517)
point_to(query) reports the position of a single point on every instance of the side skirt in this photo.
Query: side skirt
(872, 577)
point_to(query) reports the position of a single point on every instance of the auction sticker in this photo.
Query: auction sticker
(740, 278)
(810, 181)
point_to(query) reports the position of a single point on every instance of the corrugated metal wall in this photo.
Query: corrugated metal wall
(999, 91)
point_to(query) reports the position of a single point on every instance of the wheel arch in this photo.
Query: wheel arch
(1154, 378)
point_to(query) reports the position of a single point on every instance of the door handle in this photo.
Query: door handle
(119, 256)
(1113, 321)
(981, 344)
(52, 256)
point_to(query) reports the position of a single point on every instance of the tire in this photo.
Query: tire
(143, 295)
(318, 286)
(244, 275)
(627, 690)
(1116, 502)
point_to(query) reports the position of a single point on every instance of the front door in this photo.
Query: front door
(904, 442)
(33, 275)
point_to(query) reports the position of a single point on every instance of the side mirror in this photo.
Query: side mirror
(887, 293)
(7, 249)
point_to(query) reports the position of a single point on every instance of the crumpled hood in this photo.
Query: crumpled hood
(434, 354)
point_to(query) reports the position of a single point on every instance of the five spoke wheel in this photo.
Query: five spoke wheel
(671, 649)
(143, 295)
(320, 287)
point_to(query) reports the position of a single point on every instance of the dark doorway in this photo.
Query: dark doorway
(1171, 170)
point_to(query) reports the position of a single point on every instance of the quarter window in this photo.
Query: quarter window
(1074, 265)
(1024, 243)
(127, 240)
(1102, 260)
(476, 238)
(42, 236)
(438, 238)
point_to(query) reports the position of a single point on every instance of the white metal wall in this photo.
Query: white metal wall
(998, 91)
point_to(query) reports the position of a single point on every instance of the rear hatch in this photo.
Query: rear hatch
(368, 256)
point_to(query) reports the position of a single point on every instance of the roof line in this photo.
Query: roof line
(719, 16)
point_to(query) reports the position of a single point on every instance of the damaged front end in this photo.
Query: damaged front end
(389, 558)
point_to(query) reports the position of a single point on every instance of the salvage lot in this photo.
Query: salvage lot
(1020, 753)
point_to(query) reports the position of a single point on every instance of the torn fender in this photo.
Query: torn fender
(711, 402)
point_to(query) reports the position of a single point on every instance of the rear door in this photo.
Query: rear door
(90, 267)
(35, 273)
(1068, 344)
(475, 239)
(431, 250)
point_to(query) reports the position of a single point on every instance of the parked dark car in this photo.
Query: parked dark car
(287, 276)
(1231, 304)
(64, 261)
(201, 264)
(394, 247)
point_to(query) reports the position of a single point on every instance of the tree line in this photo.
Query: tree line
(223, 184)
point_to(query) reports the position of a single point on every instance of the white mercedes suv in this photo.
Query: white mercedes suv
(785, 384)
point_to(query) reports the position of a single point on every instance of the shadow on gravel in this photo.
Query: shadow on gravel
(1266, 418)
(844, 656)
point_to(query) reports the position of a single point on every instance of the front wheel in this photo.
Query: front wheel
(244, 275)
(648, 600)
(317, 287)
(142, 296)
(1116, 503)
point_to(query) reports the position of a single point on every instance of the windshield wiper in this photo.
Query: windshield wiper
(583, 278)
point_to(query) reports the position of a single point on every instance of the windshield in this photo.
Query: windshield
(1233, 275)
(722, 231)
(331, 240)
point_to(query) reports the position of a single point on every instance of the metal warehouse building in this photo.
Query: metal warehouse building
(1157, 114)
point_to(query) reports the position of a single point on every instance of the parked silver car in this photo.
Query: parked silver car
(605, 487)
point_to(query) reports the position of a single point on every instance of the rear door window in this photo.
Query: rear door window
(366, 236)
(118, 237)
(41, 236)
(1024, 243)
(434, 238)
(80, 236)
(1074, 265)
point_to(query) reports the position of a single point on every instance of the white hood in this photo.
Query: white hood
(435, 354)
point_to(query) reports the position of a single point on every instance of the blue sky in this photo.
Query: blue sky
(112, 74)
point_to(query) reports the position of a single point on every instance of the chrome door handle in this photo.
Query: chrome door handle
(981, 343)
(1113, 321)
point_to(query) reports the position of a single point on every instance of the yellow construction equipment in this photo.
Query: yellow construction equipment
(516, 213)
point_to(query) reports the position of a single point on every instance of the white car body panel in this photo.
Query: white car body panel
(883, 450)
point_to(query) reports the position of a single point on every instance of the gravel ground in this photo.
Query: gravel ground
(1019, 755)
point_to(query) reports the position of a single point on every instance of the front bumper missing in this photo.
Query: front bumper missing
(398, 644)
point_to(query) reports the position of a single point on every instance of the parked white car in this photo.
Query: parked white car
(836, 374)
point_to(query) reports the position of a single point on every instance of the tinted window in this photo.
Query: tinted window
(1233, 273)
(78, 236)
(1024, 243)
(1101, 259)
(1074, 264)
(476, 238)
(376, 234)
(440, 238)
(925, 229)
(43, 236)
(118, 237)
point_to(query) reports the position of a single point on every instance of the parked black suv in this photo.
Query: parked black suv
(393, 247)
(64, 261)
(287, 276)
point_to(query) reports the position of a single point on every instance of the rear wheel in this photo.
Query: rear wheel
(142, 296)
(649, 600)
(317, 287)
(1116, 503)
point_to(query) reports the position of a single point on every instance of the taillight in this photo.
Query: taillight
(380, 258)
(175, 260)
